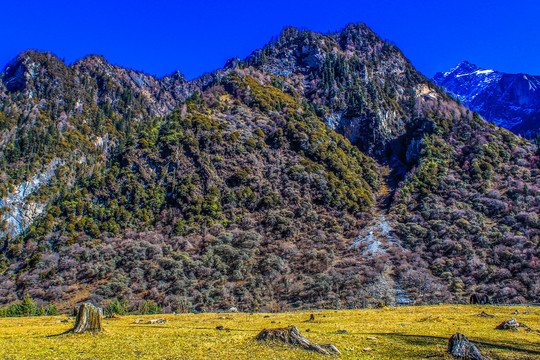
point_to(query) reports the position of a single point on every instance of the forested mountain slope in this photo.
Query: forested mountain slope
(323, 170)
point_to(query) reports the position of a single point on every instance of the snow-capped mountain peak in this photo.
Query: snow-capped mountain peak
(463, 68)
(509, 100)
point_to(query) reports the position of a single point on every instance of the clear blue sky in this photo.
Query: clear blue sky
(159, 37)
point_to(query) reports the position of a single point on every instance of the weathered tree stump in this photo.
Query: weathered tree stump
(88, 319)
(292, 336)
(461, 348)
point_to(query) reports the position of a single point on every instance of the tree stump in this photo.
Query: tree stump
(88, 319)
(486, 315)
(461, 348)
(511, 324)
(291, 335)
(311, 318)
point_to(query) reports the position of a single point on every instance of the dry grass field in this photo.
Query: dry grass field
(388, 333)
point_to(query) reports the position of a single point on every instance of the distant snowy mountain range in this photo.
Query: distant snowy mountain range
(508, 100)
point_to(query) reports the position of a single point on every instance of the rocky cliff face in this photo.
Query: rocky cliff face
(508, 100)
(22, 211)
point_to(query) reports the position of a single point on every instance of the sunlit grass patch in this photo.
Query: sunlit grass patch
(389, 333)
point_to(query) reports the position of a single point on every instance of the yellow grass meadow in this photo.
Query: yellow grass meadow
(390, 333)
